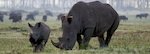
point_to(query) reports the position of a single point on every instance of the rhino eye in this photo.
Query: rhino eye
(36, 34)
(68, 39)
(30, 34)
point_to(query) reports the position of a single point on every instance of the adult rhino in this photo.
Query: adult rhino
(123, 17)
(1, 17)
(48, 13)
(44, 18)
(39, 36)
(2, 13)
(91, 19)
(145, 15)
(30, 17)
(15, 16)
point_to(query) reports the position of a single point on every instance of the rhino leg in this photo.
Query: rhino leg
(32, 42)
(42, 45)
(101, 40)
(39, 47)
(108, 38)
(87, 36)
(44, 42)
(36, 48)
(110, 32)
(79, 40)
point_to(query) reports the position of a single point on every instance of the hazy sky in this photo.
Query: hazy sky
(1, 3)
(37, 2)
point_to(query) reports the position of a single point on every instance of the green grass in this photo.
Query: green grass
(132, 37)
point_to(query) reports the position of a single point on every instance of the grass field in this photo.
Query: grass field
(132, 37)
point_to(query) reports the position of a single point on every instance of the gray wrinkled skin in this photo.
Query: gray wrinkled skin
(39, 36)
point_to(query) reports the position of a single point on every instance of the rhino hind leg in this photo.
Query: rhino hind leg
(110, 32)
(108, 38)
(101, 41)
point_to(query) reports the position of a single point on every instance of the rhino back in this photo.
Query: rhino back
(44, 31)
(94, 14)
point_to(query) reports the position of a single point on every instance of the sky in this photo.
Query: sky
(1, 3)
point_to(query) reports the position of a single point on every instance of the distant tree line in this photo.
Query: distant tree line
(137, 4)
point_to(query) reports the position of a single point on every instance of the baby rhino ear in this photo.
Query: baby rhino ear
(30, 25)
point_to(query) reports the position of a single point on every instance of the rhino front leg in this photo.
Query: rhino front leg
(44, 42)
(36, 48)
(87, 36)
(39, 47)
(79, 40)
(42, 45)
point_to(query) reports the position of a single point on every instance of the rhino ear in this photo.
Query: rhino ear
(63, 18)
(39, 24)
(69, 19)
(30, 25)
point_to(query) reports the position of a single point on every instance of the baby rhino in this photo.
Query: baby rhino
(39, 36)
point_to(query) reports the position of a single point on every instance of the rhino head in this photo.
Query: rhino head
(35, 31)
(68, 39)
